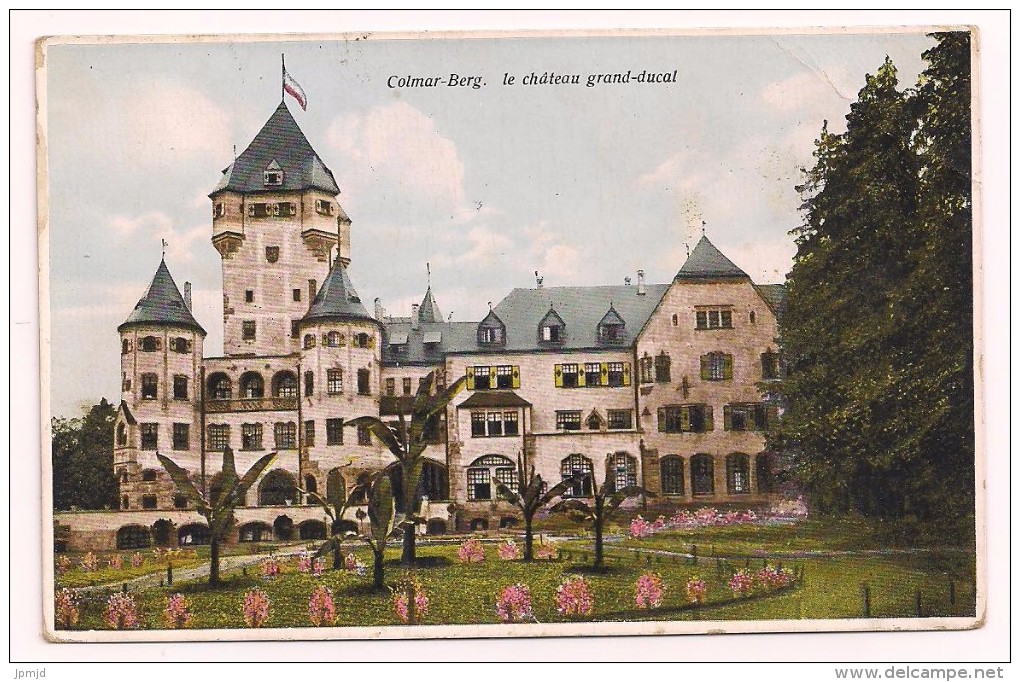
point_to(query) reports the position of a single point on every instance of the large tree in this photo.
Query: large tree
(876, 327)
(82, 451)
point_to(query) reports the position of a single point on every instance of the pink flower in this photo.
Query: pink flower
(741, 583)
(177, 614)
(304, 562)
(659, 523)
(121, 612)
(508, 550)
(321, 610)
(116, 562)
(772, 578)
(471, 552)
(696, 590)
(546, 552)
(256, 608)
(63, 564)
(707, 516)
(137, 560)
(406, 586)
(639, 528)
(648, 591)
(270, 567)
(89, 562)
(574, 597)
(317, 567)
(354, 565)
(513, 604)
(66, 611)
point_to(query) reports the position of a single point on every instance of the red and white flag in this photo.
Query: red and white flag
(291, 86)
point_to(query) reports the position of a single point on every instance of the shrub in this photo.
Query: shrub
(471, 552)
(509, 550)
(89, 562)
(121, 612)
(304, 562)
(270, 567)
(321, 610)
(255, 608)
(65, 609)
(354, 565)
(639, 528)
(741, 583)
(696, 590)
(648, 591)
(63, 564)
(137, 560)
(177, 614)
(405, 587)
(771, 578)
(574, 597)
(318, 566)
(548, 552)
(513, 604)
(116, 562)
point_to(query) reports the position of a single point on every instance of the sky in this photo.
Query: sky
(585, 185)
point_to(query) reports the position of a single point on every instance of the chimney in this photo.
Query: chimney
(414, 315)
(640, 282)
(187, 295)
(379, 312)
(538, 280)
(626, 281)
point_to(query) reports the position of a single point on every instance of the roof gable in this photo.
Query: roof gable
(162, 304)
(708, 262)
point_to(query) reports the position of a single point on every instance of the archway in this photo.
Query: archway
(277, 489)
(312, 530)
(479, 524)
(256, 531)
(133, 537)
(193, 534)
(162, 532)
(436, 527)
(283, 528)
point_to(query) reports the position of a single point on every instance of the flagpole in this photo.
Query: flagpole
(283, 76)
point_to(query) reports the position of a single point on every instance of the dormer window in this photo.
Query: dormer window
(273, 175)
(491, 331)
(612, 328)
(552, 328)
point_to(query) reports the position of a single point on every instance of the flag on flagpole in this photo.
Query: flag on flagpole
(291, 86)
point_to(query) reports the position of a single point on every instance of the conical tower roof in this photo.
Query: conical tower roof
(337, 299)
(162, 304)
(429, 310)
(279, 146)
(708, 262)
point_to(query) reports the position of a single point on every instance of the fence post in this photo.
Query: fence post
(952, 593)
(866, 597)
(123, 588)
(917, 603)
(169, 575)
(694, 555)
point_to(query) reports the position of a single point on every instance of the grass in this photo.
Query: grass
(466, 593)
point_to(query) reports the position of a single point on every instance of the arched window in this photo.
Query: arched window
(333, 339)
(193, 534)
(309, 341)
(312, 530)
(256, 531)
(702, 475)
(220, 387)
(483, 470)
(581, 470)
(671, 469)
(283, 528)
(285, 385)
(121, 435)
(622, 470)
(252, 385)
(150, 386)
(150, 344)
(738, 474)
(133, 537)
(277, 489)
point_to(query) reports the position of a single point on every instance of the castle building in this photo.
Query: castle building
(658, 385)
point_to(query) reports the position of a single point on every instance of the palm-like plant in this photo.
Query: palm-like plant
(406, 443)
(530, 498)
(599, 508)
(381, 513)
(219, 511)
(335, 505)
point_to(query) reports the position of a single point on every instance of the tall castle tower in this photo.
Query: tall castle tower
(276, 220)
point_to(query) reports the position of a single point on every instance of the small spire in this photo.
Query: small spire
(428, 271)
(702, 228)
(163, 255)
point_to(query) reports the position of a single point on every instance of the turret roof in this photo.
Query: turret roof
(429, 310)
(337, 299)
(162, 304)
(280, 145)
(708, 262)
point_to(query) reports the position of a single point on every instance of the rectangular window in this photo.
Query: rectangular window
(769, 366)
(746, 417)
(148, 501)
(296, 294)
(182, 441)
(180, 387)
(646, 367)
(505, 377)
(477, 424)
(510, 424)
(248, 330)
(309, 383)
(616, 374)
(294, 330)
(312, 289)
(568, 420)
(479, 484)
(249, 296)
(482, 379)
(251, 436)
(310, 433)
(592, 374)
(662, 367)
(716, 367)
(364, 436)
(495, 424)
(714, 318)
(219, 210)
(621, 419)
(285, 435)
(406, 385)
(150, 384)
(334, 432)
(569, 375)
(364, 382)
(391, 387)
(219, 436)
(323, 207)
(272, 177)
(685, 419)
(150, 436)
(334, 381)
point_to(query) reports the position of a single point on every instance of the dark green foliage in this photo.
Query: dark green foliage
(877, 327)
(530, 499)
(83, 460)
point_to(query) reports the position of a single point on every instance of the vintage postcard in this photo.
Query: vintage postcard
(509, 334)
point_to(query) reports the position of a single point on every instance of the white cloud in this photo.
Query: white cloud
(163, 118)
(154, 225)
(486, 245)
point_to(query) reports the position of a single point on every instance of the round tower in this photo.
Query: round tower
(161, 359)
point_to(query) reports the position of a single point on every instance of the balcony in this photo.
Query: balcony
(252, 405)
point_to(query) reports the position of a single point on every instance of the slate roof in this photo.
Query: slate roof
(281, 142)
(708, 262)
(429, 310)
(128, 417)
(494, 399)
(162, 304)
(455, 337)
(337, 299)
(775, 294)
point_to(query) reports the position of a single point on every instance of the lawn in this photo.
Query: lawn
(466, 593)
